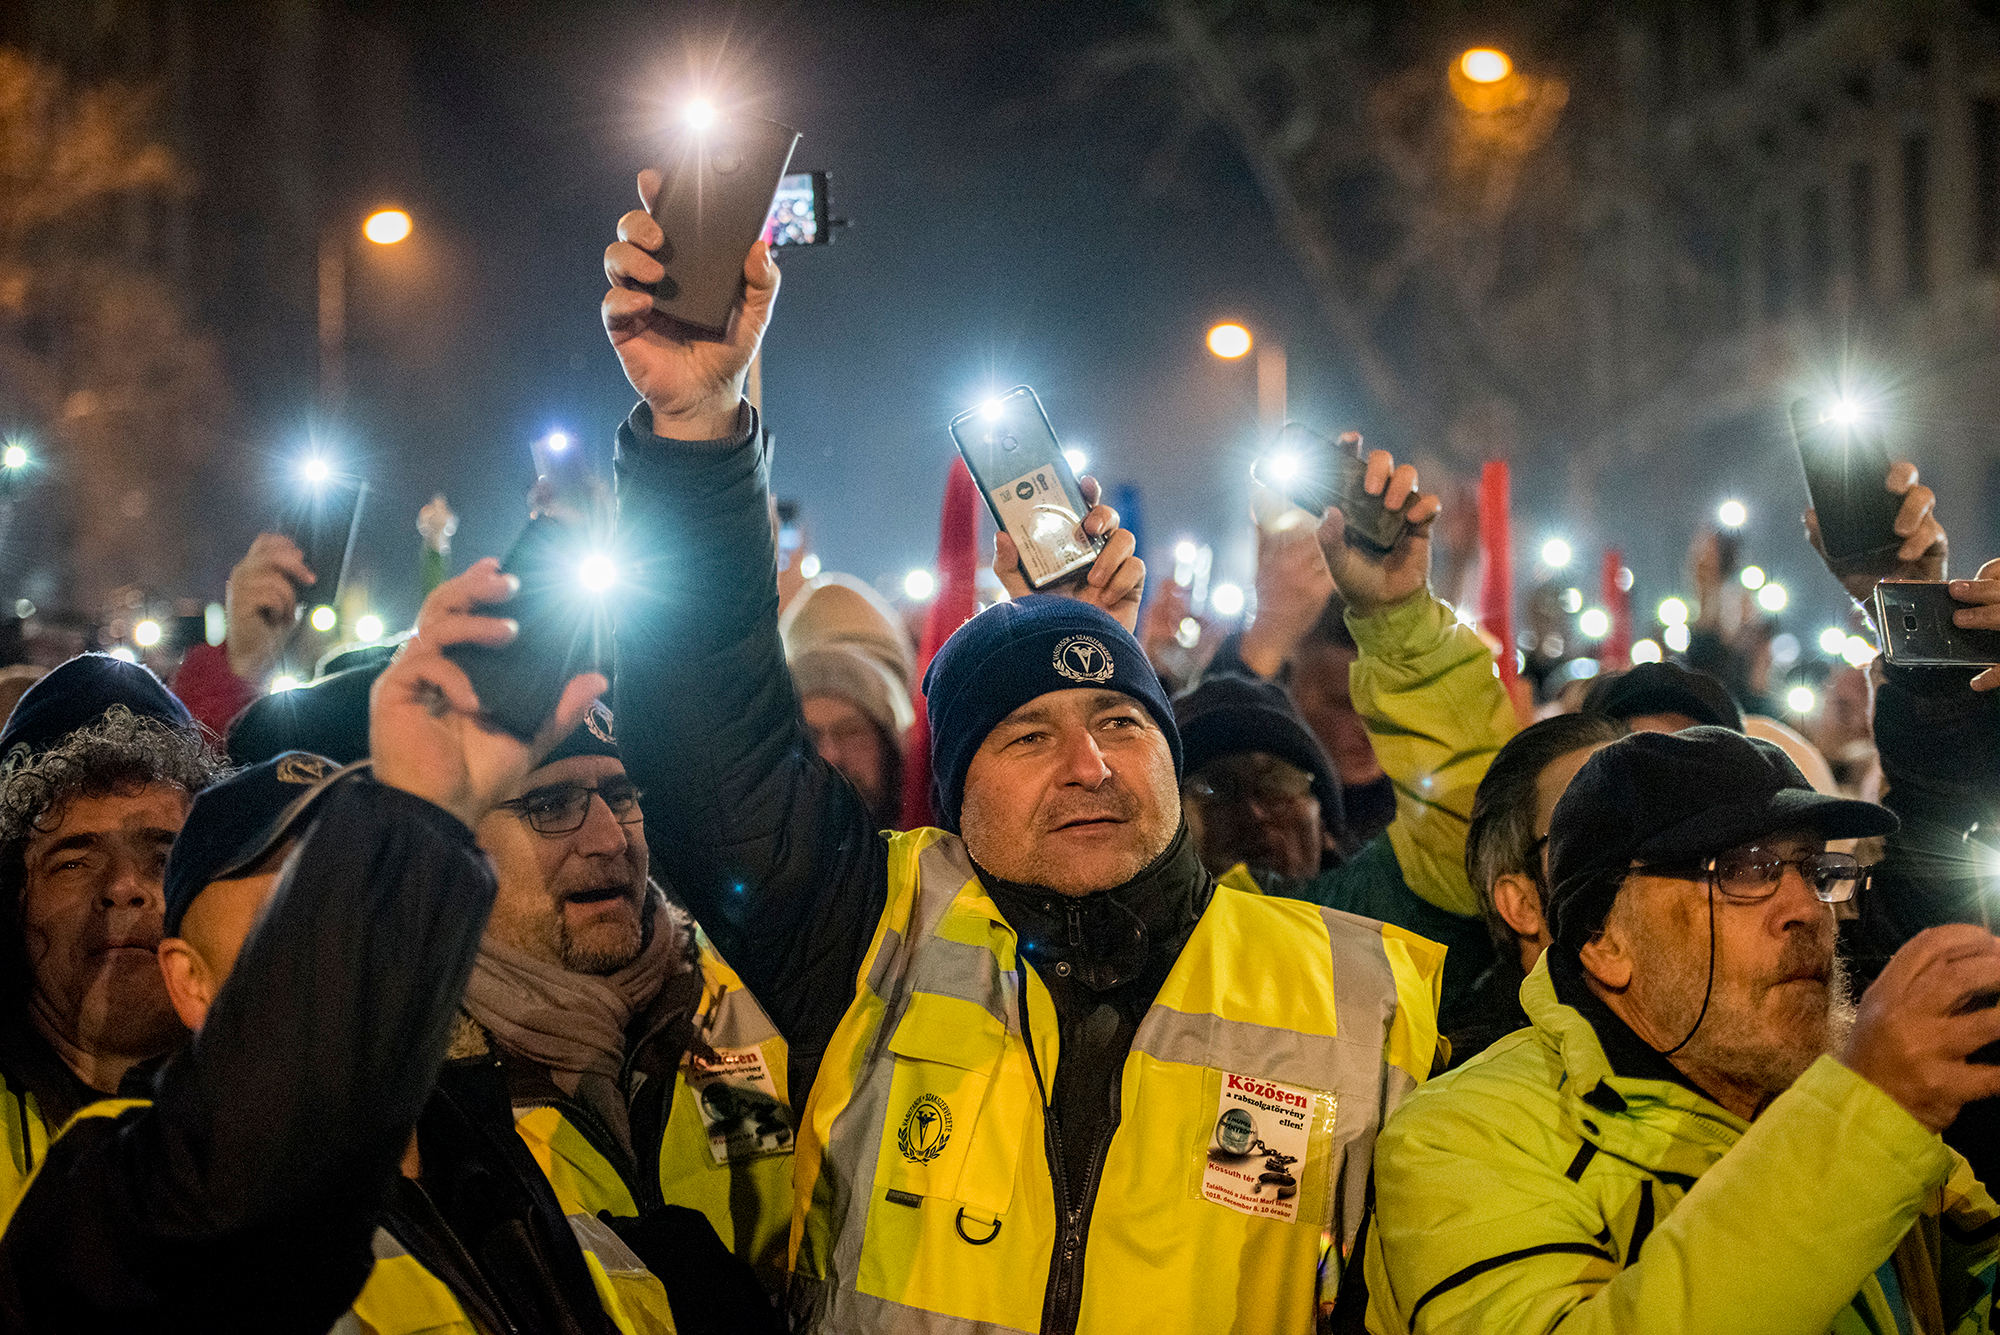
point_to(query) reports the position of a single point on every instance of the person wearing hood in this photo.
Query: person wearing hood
(1054, 1076)
(851, 665)
(98, 764)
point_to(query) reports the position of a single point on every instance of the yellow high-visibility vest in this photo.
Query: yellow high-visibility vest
(25, 1135)
(401, 1297)
(1256, 1085)
(727, 1150)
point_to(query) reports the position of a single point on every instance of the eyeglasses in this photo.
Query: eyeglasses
(1282, 783)
(1751, 874)
(562, 808)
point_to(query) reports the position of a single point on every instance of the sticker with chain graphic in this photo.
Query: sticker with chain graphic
(1258, 1147)
(740, 1107)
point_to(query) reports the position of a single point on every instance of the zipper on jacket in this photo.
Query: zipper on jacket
(645, 1191)
(450, 1261)
(1063, 1301)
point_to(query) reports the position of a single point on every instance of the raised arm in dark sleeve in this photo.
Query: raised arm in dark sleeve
(768, 846)
(244, 1196)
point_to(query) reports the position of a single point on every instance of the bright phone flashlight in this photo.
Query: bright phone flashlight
(1844, 411)
(146, 634)
(597, 573)
(316, 471)
(16, 456)
(324, 619)
(990, 410)
(1731, 514)
(1284, 467)
(700, 113)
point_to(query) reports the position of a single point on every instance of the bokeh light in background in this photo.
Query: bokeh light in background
(1483, 64)
(1555, 553)
(1229, 341)
(1226, 599)
(386, 227)
(919, 585)
(1732, 514)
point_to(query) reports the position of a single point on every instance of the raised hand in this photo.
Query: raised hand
(1370, 583)
(1920, 1020)
(424, 726)
(1981, 596)
(691, 382)
(262, 599)
(1292, 588)
(1116, 581)
(1924, 545)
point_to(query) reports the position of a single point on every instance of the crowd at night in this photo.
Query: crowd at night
(1177, 667)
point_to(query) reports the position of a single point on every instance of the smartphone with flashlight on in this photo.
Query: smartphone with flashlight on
(565, 626)
(1029, 487)
(1315, 473)
(560, 462)
(1847, 466)
(323, 519)
(720, 175)
(1914, 618)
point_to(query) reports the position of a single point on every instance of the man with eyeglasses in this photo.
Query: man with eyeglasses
(1700, 1131)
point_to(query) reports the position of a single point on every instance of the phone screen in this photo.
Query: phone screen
(322, 519)
(1015, 458)
(798, 211)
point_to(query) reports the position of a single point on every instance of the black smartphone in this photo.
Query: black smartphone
(1028, 484)
(798, 212)
(1847, 466)
(322, 519)
(565, 627)
(719, 180)
(559, 461)
(1314, 473)
(1914, 618)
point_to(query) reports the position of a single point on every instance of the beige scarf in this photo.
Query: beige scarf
(577, 1024)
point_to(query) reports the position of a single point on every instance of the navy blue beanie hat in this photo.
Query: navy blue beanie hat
(1013, 652)
(78, 693)
(234, 824)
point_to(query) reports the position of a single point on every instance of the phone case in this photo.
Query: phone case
(323, 523)
(1029, 487)
(1326, 474)
(564, 631)
(1845, 467)
(713, 203)
(1914, 619)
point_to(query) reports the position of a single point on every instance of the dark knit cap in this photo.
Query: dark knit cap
(1663, 688)
(1229, 714)
(1667, 797)
(78, 693)
(1013, 652)
(329, 717)
(238, 821)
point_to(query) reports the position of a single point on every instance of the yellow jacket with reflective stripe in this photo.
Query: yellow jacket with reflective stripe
(26, 1142)
(951, 1226)
(748, 1200)
(401, 1297)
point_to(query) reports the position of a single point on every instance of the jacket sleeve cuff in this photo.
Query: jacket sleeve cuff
(1883, 1141)
(638, 428)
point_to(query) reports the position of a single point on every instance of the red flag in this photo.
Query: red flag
(957, 599)
(1496, 581)
(1617, 654)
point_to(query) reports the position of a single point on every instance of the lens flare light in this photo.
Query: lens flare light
(597, 573)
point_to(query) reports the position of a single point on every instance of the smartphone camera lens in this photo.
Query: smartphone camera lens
(1909, 621)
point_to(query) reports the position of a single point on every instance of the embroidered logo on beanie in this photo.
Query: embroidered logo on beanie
(1083, 658)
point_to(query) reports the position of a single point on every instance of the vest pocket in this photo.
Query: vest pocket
(949, 1131)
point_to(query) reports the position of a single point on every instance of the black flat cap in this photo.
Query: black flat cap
(78, 693)
(1663, 688)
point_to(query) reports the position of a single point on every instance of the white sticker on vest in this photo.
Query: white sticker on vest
(1258, 1147)
(739, 1104)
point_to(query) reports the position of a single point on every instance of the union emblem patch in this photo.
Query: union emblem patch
(926, 1128)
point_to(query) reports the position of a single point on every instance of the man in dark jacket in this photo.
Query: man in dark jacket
(244, 1195)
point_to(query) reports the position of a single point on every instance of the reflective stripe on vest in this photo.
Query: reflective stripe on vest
(748, 1199)
(27, 1136)
(923, 1196)
(401, 1297)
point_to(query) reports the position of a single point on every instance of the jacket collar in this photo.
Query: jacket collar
(1661, 1124)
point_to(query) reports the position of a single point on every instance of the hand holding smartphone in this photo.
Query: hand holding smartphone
(1918, 630)
(1846, 464)
(1014, 456)
(1315, 474)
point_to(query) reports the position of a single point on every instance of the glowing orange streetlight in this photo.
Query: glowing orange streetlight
(386, 227)
(1229, 341)
(1483, 64)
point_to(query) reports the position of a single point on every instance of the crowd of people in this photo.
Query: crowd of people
(1332, 990)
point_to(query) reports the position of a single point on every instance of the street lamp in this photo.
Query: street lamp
(1231, 341)
(1484, 81)
(383, 227)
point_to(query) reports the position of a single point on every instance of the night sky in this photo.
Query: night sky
(1004, 231)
